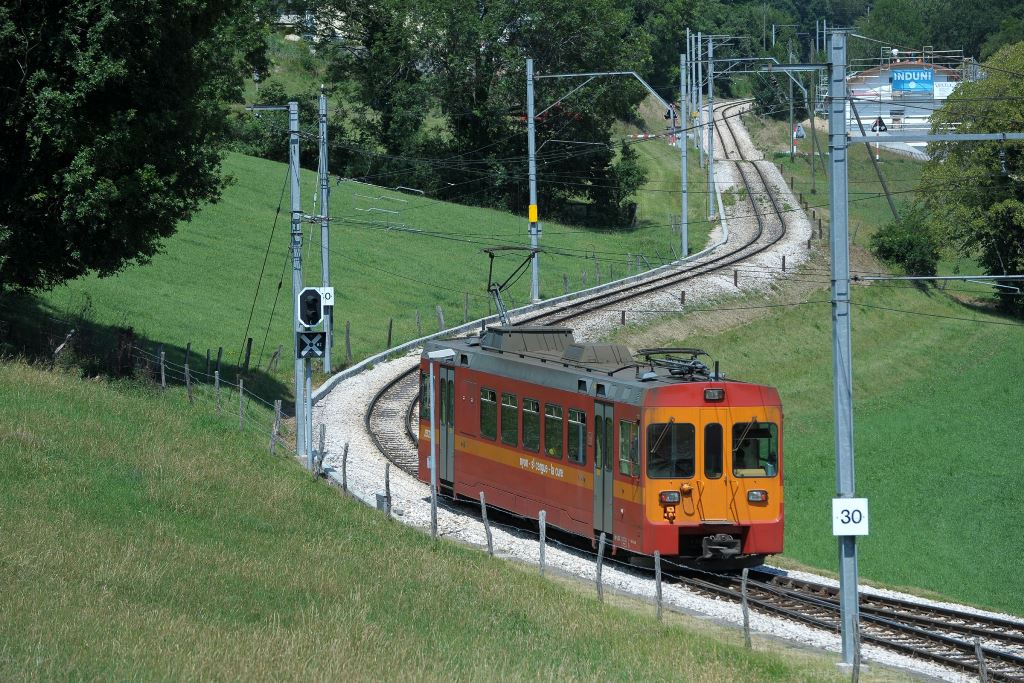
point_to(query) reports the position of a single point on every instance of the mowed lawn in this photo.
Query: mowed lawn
(144, 539)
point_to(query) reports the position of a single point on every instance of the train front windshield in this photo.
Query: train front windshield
(672, 448)
(755, 449)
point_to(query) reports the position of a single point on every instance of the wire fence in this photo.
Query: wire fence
(212, 391)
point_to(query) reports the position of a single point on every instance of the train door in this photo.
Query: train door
(714, 502)
(604, 464)
(446, 423)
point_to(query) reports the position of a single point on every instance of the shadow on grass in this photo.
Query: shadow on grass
(36, 332)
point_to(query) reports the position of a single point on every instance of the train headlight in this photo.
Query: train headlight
(714, 394)
(669, 497)
(757, 496)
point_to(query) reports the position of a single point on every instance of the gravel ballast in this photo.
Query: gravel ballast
(343, 411)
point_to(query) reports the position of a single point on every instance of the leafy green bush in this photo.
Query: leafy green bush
(908, 242)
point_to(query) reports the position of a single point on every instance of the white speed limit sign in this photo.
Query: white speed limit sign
(849, 516)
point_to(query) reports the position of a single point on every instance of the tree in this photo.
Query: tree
(908, 241)
(112, 127)
(974, 191)
(442, 89)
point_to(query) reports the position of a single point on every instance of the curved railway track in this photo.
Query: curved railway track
(382, 420)
(940, 635)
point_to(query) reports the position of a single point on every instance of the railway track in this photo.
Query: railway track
(940, 635)
(398, 443)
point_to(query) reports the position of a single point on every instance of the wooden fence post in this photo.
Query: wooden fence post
(188, 383)
(682, 298)
(248, 353)
(207, 362)
(583, 278)
(344, 468)
(465, 308)
(419, 324)
(220, 352)
(188, 352)
(216, 388)
(623, 320)
(783, 263)
(745, 607)
(391, 327)
(318, 462)
(387, 488)
(600, 564)
(241, 404)
(542, 521)
(276, 431)
(163, 372)
(487, 524)
(735, 278)
(565, 283)
(440, 317)
(657, 580)
(348, 341)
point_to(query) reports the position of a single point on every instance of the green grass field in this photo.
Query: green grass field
(203, 287)
(936, 420)
(147, 540)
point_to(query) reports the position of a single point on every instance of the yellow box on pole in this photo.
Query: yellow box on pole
(533, 213)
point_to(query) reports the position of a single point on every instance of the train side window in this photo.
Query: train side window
(509, 420)
(553, 430)
(531, 424)
(424, 396)
(629, 448)
(671, 450)
(577, 436)
(442, 401)
(713, 450)
(488, 414)
(755, 449)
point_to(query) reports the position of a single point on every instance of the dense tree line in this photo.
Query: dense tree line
(115, 114)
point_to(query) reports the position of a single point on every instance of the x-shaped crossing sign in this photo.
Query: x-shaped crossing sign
(311, 344)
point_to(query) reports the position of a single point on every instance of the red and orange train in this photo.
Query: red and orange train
(658, 452)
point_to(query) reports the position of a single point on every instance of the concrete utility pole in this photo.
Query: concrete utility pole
(325, 232)
(694, 84)
(303, 376)
(531, 142)
(711, 128)
(792, 129)
(842, 368)
(296, 242)
(684, 118)
(700, 97)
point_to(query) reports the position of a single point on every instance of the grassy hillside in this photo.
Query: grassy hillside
(936, 403)
(147, 540)
(384, 265)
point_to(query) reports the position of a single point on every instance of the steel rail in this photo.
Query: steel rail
(906, 620)
(598, 301)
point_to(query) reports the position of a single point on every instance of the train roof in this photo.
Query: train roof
(551, 356)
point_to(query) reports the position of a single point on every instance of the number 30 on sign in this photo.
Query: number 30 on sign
(849, 516)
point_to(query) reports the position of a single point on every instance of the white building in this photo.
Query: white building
(899, 91)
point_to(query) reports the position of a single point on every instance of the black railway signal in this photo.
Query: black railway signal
(310, 308)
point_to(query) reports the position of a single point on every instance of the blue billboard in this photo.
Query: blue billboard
(912, 80)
